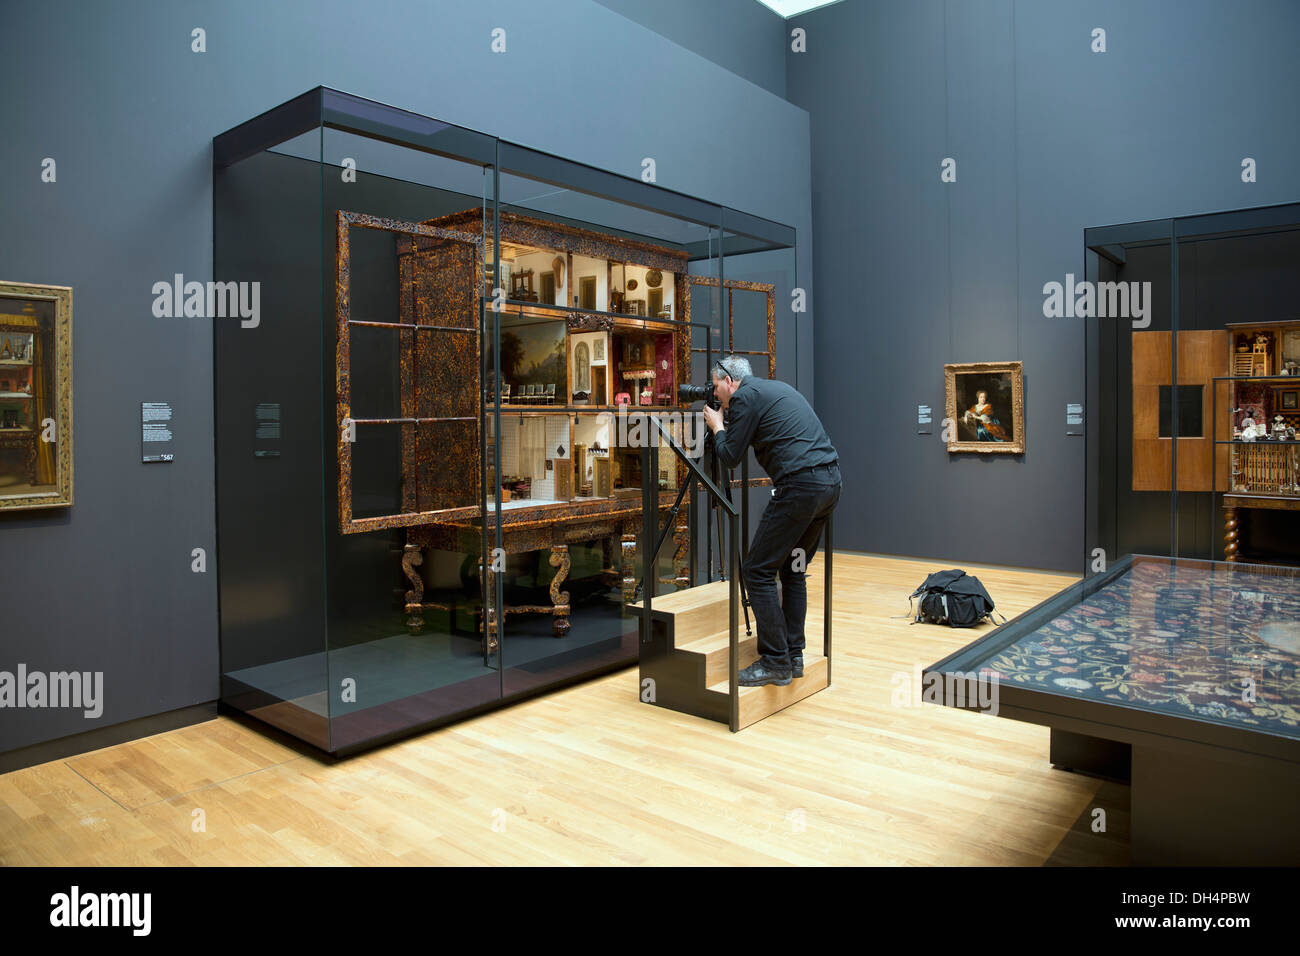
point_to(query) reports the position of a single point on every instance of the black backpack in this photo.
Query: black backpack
(954, 598)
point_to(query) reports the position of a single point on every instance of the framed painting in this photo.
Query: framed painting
(587, 374)
(534, 359)
(985, 404)
(35, 396)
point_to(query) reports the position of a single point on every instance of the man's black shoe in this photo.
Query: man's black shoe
(756, 675)
(796, 665)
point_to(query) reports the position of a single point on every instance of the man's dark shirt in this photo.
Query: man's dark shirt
(786, 433)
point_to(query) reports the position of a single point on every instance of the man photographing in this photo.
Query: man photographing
(791, 446)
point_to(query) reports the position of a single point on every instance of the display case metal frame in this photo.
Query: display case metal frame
(346, 112)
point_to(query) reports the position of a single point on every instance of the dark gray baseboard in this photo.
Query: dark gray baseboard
(101, 737)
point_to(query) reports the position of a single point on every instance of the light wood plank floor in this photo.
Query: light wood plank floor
(589, 775)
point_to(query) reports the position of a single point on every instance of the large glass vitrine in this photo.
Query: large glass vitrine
(429, 498)
(1194, 391)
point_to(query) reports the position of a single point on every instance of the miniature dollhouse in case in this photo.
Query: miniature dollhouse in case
(450, 509)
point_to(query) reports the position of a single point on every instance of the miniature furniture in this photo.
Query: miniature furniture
(521, 286)
(536, 330)
(443, 263)
(1257, 416)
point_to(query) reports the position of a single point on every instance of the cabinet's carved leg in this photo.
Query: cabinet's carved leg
(413, 557)
(560, 599)
(629, 564)
(1231, 534)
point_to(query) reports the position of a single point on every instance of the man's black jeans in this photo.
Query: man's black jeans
(783, 545)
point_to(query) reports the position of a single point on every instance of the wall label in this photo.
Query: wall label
(156, 436)
(267, 428)
(1074, 418)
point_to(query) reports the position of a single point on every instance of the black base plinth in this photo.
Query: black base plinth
(1091, 755)
(1190, 808)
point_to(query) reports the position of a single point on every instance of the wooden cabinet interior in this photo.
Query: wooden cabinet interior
(1247, 377)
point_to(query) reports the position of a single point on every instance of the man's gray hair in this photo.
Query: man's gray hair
(737, 366)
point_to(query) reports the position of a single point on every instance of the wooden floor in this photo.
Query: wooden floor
(589, 775)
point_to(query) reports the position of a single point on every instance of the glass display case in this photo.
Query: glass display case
(1193, 395)
(430, 479)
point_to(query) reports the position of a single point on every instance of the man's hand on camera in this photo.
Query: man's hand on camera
(713, 418)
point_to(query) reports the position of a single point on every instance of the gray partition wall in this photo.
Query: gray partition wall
(1048, 138)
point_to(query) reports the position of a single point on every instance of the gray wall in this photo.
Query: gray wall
(744, 36)
(1049, 138)
(114, 94)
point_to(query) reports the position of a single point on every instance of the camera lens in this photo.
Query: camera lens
(695, 393)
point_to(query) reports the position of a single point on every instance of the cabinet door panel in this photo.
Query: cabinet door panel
(438, 358)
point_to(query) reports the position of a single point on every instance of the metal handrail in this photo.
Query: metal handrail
(668, 526)
(697, 473)
(650, 548)
(696, 470)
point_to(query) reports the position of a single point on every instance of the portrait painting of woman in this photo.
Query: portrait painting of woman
(985, 407)
(984, 419)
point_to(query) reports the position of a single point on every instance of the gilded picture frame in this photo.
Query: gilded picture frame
(36, 414)
(984, 408)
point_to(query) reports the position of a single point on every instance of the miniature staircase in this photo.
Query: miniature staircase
(686, 657)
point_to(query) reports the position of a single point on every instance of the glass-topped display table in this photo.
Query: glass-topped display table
(1184, 676)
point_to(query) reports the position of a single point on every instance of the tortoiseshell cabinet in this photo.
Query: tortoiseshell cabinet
(428, 498)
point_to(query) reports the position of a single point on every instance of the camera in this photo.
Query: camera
(698, 393)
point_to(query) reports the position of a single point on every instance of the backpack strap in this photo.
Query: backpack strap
(911, 598)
